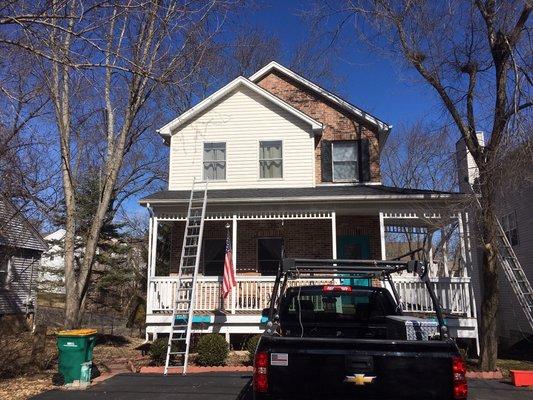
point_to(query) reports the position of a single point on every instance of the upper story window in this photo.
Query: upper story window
(270, 159)
(344, 161)
(510, 227)
(214, 161)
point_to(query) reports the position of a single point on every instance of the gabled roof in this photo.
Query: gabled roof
(274, 66)
(16, 231)
(166, 131)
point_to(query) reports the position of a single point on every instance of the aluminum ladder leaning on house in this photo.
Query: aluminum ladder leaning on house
(179, 338)
(515, 274)
(513, 271)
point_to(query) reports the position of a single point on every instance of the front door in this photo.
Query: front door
(354, 247)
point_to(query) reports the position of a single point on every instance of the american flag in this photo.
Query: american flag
(228, 281)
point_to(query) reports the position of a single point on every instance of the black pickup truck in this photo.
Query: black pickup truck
(341, 341)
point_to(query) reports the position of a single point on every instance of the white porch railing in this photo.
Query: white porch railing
(454, 294)
(253, 294)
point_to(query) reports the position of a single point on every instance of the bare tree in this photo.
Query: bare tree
(104, 64)
(419, 157)
(475, 56)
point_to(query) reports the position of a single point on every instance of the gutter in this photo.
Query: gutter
(420, 197)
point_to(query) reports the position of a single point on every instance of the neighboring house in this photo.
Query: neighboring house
(52, 272)
(293, 169)
(21, 247)
(516, 217)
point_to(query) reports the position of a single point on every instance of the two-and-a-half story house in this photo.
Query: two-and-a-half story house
(291, 167)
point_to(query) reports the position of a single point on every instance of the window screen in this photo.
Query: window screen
(214, 251)
(269, 254)
(344, 159)
(214, 161)
(270, 159)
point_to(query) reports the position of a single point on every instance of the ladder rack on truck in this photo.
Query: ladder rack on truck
(294, 268)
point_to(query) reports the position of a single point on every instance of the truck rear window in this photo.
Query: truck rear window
(320, 306)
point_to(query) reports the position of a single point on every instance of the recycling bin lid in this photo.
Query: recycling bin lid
(77, 332)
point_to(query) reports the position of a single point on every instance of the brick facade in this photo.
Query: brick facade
(302, 238)
(338, 124)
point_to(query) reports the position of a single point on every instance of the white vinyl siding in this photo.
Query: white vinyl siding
(242, 120)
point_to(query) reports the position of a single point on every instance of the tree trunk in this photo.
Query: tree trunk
(490, 297)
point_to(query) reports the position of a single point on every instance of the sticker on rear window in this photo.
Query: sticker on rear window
(279, 359)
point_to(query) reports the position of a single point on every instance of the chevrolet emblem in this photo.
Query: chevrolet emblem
(359, 379)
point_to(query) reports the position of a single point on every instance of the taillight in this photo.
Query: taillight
(460, 387)
(261, 371)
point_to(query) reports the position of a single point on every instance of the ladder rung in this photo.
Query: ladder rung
(179, 339)
(176, 352)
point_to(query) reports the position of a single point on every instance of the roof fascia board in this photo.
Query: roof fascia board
(166, 131)
(274, 65)
(422, 197)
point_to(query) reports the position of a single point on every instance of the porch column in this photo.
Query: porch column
(430, 251)
(334, 235)
(234, 290)
(154, 247)
(382, 235)
(444, 251)
(462, 241)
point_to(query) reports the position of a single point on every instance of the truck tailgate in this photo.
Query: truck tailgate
(319, 368)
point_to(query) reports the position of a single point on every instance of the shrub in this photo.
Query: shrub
(251, 346)
(158, 351)
(212, 350)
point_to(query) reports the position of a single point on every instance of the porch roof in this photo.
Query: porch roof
(323, 192)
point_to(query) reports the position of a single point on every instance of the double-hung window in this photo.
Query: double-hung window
(510, 227)
(4, 271)
(214, 161)
(344, 160)
(270, 159)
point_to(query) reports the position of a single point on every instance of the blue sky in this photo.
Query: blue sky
(370, 80)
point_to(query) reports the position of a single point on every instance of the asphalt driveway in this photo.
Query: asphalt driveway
(230, 386)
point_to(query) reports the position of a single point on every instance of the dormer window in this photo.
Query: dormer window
(344, 161)
(214, 161)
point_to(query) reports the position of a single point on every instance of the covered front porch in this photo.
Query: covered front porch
(263, 233)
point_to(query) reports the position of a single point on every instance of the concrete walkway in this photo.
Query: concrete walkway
(227, 386)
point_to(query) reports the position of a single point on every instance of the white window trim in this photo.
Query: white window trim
(259, 159)
(204, 177)
(356, 161)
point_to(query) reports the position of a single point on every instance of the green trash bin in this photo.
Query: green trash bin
(75, 353)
